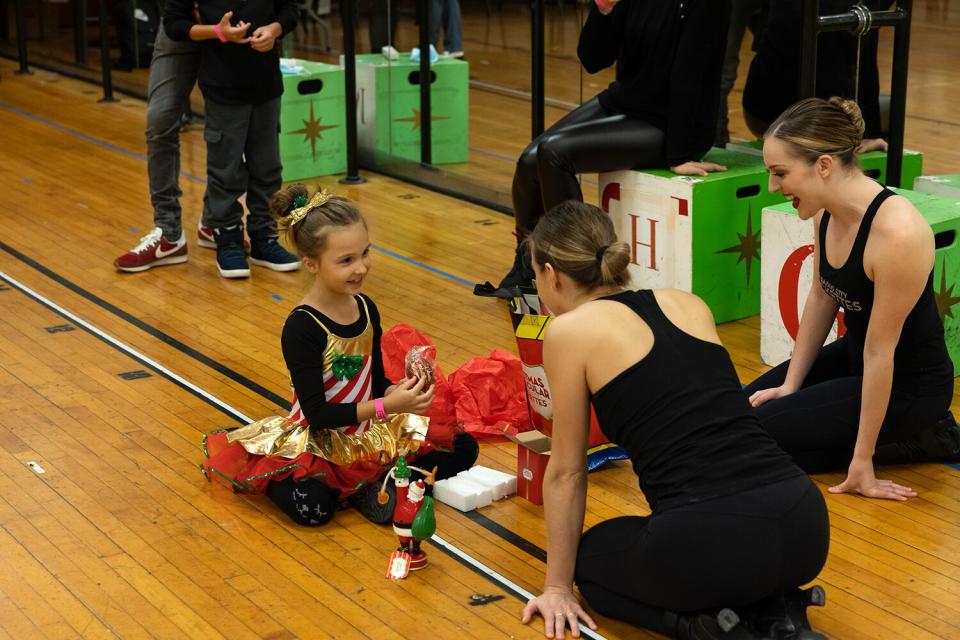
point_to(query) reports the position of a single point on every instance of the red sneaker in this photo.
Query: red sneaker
(153, 251)
(205, 238)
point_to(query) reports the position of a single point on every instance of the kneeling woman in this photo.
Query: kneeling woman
(888, 382)
(735, 523)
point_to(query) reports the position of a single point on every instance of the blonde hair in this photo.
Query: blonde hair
(302, 220)
(579, 240)
(815, 127)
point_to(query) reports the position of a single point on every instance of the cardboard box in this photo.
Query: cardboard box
(312, 122)
(388, 109)
(533, 454)
(788, 274)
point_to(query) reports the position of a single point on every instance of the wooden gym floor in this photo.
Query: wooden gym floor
(120, 535)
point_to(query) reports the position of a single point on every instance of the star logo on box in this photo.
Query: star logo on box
(313, 131)
(748, 249)
(415, 119)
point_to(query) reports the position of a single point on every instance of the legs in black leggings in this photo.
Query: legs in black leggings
(588, 139)
(817, 425)
(728, 552)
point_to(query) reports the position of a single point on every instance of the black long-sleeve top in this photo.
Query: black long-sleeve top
(303, 342)
(670, 55)
(233, 73)
(773, 82)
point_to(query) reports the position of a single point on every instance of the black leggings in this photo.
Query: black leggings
(588, 139)
(734, 551)
(817, 425)
(311, 503)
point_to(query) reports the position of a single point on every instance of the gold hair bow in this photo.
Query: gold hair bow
(319, 198)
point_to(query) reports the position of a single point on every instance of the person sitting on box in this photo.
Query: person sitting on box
(735, 528)
(880, 394)
(241, 84)
(348, 423)
(660, 112)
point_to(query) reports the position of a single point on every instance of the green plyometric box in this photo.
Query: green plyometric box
(943, 216)
(946, 186)
(312, 132)
(700, 234)
(388, 109)
(873, 163)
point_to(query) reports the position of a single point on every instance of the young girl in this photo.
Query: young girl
(348, 422)
(889, 380)
(734, 523)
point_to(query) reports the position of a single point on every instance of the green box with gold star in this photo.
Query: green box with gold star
(312, 134)
(700, 234)
(788, 273)
(388, 109)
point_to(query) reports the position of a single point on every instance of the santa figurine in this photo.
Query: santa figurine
(413, 518)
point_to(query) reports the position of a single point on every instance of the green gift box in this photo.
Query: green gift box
(788, 273)
(700, 234)
(873, 163)
(388, 109)
(946, 186)
(312, 133)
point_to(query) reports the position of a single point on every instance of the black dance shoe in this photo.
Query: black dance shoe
(938, 442)
(365, 501)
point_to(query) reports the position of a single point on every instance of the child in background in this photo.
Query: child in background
(348, 423)
(241, 83)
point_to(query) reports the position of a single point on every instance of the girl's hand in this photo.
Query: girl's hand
(234, 33)
(697, 168)
(861, 479)
(265, 37)
(560, 609)
(410, 395)
(766, 395)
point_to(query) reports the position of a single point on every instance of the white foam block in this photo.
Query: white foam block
(462, 493)
(502, 484)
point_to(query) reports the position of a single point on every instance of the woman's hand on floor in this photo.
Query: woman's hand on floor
(560, 608)
(862, 479)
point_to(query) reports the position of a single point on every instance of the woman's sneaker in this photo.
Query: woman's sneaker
(153, 251)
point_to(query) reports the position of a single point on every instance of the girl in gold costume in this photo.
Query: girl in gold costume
(348, 422)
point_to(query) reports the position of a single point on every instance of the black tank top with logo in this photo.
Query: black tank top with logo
(920, 359)
(683, 419)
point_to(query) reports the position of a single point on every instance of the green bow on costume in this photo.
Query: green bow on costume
(345, 367)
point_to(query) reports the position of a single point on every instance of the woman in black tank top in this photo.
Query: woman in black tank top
(880, 394)
(735, 527)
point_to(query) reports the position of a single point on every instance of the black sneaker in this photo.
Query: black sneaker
(365, 501)
(231, 258)
(939, 442)
(724, 625)
(265, 251)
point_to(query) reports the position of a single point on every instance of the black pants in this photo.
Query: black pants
(311, 503)
(733, 551)
(818, 424)
(588, 139)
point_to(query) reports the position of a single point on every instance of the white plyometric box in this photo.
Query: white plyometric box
(946, 186)
(786, 277)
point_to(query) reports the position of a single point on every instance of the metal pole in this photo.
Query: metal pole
(348, 9)
(426, 77)
(21, 38)
(536, 72)
(105, 62)
(898, 93)
(808, 48)
(80, 31)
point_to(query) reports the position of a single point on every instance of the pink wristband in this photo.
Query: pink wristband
(217, 29)
(605, 6)
(379, 408)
